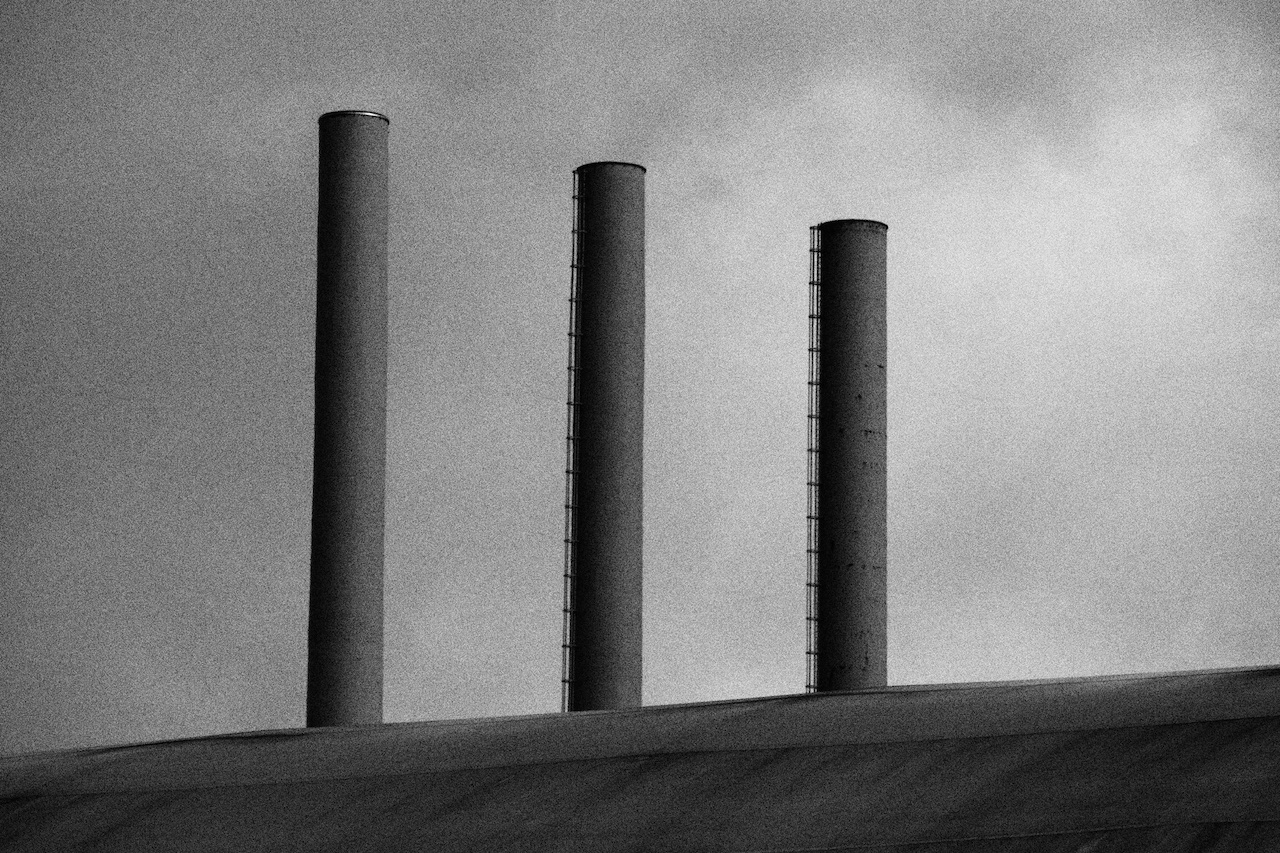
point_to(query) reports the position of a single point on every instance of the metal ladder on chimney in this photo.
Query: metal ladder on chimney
(815, 376)
(567, 641)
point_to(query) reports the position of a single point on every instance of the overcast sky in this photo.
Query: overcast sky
(1084, 335)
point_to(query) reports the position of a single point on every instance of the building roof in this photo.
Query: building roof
(1183, 761)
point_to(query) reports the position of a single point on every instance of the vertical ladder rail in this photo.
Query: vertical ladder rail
(567, 641)
(815, 376)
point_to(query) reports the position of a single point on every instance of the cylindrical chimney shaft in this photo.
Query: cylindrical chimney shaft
(606, 466)
(344, 653)
(852, 534)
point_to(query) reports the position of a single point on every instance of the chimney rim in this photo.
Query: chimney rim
(610, 163)
(340, 113)
(861, 224)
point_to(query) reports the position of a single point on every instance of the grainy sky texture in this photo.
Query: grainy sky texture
(1084, 335)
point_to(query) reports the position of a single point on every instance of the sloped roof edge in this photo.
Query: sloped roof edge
(888, 715)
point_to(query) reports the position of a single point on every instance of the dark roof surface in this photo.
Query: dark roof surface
(1184, 761)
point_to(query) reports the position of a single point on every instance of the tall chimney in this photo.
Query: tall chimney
(344, 652)
(603, 507)
(848, 528)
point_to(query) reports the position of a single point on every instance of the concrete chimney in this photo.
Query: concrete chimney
(604, 529)
(344, 651)
(848, 412)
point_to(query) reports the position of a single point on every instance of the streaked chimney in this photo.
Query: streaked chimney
(848, 534)
(604, 493)
(344, 652)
